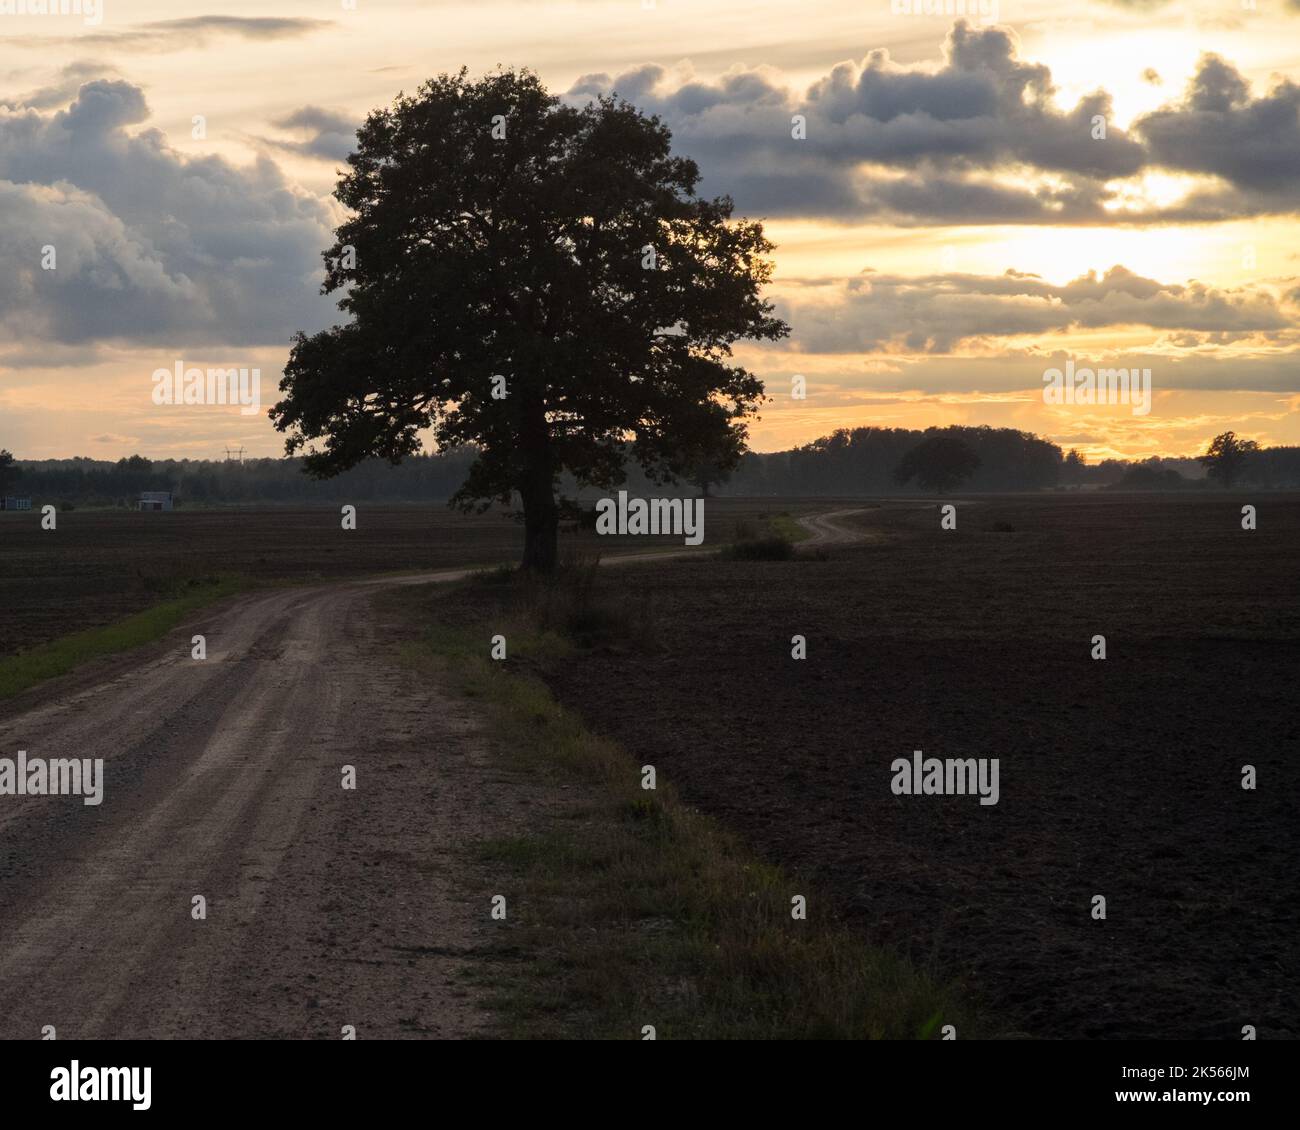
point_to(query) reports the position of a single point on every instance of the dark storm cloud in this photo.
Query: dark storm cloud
(151, 245)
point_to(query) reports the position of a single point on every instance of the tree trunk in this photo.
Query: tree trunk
(541, 527)
(541, 512)
(537, 490)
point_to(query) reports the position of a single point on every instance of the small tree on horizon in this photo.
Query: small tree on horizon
(1073, 467)
(939, 463)
(9, 470)
(498, 233)
(1227, 457)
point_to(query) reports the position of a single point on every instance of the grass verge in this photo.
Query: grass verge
(773, 548)
(634, 910)
(772, 538)
(58, 657)
(784, 526)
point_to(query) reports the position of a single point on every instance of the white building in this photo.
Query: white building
(156, 500)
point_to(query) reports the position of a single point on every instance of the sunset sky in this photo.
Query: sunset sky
(949, 228)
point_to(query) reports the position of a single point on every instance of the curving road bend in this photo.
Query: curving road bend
(325, 907)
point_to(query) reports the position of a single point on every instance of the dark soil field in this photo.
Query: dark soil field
(100, 565)
(1119, 777)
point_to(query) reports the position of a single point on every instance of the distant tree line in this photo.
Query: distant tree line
(203, 482)
(869, 461)
(858, 461)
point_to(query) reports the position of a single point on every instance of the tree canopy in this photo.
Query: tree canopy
(536, 279)
(9, 470)
(939, 463)
(1228, 456)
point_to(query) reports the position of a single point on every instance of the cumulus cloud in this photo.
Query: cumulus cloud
(875, 313)
(150, 246)
(885, 140)
(1219, 129)
(979, 139)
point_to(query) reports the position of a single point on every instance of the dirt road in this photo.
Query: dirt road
(828, 529)
(223, 779)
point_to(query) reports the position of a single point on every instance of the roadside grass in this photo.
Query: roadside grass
(772, 537)
(773, 548)
(573, 609)
(783, 525)
(58, 657)
(632, 908)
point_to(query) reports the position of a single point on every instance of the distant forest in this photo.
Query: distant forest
(861, 461)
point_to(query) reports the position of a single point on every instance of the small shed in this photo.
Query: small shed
(15, 503)
(156, 500)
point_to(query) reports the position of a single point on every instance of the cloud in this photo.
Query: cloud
(63, 89)
(889, 141)
(151, 246)
(978, 139)
(1220, 130)
(937, 313)
(183, 34)
(977, 377)
(331, 135)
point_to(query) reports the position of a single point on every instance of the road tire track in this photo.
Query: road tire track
(325, 907)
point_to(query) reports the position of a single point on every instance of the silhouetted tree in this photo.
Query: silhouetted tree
(1228, 456)
(939, 463)
(496, 232)
(1073, 468)
(1150, 474)
(712, 462)
(1276, 466)
(9, 470)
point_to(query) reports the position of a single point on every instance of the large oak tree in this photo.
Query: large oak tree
(498, 232)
